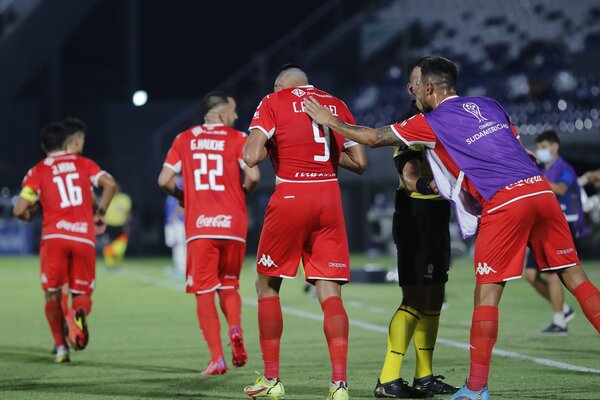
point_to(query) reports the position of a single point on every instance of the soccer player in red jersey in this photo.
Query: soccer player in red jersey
(76, 130)
(304, 219)
(481, 167)
(215, 182)
(62, 183)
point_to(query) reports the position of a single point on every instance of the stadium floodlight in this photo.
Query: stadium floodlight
(139, 98)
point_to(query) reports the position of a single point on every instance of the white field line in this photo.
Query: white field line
(368, 326)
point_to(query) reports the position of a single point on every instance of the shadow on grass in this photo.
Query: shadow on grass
(162, 381)
(37, 355)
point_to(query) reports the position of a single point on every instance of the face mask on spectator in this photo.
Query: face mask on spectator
(544, 155)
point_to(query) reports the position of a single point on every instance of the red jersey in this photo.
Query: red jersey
(301, 150)
(210, 159)
(63, 183)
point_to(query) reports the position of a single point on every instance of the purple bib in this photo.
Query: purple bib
(477, 134)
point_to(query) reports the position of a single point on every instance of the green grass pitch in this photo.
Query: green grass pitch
(145, 342)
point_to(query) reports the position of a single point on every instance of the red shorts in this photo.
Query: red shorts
(520, 215)
(213, 264)
(67, 261)
(305, 220)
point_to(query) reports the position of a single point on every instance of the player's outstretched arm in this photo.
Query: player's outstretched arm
(254, 149)
(383, 136)
(109, 188)
(251, 178)
(354, 159)
(166, 181)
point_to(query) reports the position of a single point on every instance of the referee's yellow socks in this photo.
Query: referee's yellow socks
(424, 338)
(400, 332)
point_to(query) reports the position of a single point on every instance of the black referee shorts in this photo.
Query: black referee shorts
(422, 238)
(113, 232)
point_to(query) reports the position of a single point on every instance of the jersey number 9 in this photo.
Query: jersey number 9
(324, 140)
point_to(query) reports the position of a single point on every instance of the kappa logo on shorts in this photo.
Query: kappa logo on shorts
(484, 269)
(189, 281)
(266, 261)
(44, 278)
(336, 265)
(565, 251)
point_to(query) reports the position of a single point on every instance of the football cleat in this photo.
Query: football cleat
(434, 385)
(555, 330)
(78, 335)
(218, 367)
(62, 355)
(398, 389)
(338, 391)
(570, 314)
(263, 387)
(466, 394)
(240, 355)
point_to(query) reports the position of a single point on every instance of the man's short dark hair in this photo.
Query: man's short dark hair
(548, 136)
(212, 100)
(52, 137)
(285, 67)
(439, 69)
(417, 62)
(74, 125)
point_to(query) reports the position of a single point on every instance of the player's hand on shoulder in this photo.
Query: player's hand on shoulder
(433, 186)
(315, 110)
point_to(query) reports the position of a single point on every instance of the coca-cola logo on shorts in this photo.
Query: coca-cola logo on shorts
(218, 221)
(78, 227)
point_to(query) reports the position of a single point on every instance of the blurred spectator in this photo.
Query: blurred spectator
(175, 235)
(117, 218)
(563, 180)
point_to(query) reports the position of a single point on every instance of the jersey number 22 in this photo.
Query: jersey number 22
(212, 173)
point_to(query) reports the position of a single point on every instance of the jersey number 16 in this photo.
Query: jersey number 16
(70, 194)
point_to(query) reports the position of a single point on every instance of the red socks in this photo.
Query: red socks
(64, 303)
(208, 318)
(484, 332)
(55, 319)
(231, 305)
(82, 301)
(270, 328)
(588, 297)
(336, 328)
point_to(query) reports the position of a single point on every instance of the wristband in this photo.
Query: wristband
(423, 186)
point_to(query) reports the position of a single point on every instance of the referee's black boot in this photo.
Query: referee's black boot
(398, 389)
(433, 385)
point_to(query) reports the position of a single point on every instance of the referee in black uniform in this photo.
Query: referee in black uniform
(422, 238)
